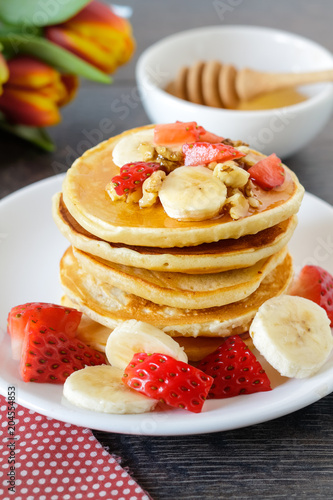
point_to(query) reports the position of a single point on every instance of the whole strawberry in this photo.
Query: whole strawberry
(235, 370)
(49, 356)
(132, 176)
(316, 284)
(173, 382)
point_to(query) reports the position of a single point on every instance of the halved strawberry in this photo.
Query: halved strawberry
(268, 173)
(51, 357)
(133, 175)
(61, 319)
(316, 284)
(202, 153)
(173, 382)
(235, 370)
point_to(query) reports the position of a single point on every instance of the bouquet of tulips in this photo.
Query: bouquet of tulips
(45, 47)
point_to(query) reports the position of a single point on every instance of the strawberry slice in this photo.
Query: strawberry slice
(61, 319)
(235, 370)
(206, 136)
(51, 357)
(173, 382)
(172, 134)
(268, 173)
(133, 175)
(316, 284)
(175, 133)
(202, 153)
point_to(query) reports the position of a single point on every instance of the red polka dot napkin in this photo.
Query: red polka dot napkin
(44, 459)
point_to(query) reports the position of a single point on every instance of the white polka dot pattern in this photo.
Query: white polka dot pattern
(58, 461)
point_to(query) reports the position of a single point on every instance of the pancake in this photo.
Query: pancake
(205, 258)
(110, 305)
(186, 291)
(96, 335)
(119, 222)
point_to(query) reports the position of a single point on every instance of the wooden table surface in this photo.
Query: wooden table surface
(290, 457)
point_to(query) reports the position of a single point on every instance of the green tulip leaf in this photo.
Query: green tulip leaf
(53, 55)
(39, 12)
(37, 136)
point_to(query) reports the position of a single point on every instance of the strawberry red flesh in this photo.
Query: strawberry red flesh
(174, 382)
(51, 357)
(316, 284)
(235, 370)
(202, 153)
(205, 136)
(173, 134)
(268, 173)
(61, 319)
(132, 176)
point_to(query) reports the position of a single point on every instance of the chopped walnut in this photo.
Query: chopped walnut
(253, 202)
(110, 189)
(150, 188)
(248, 191)
(168, 158)
(134, 196)
(212, 165)
(147, 150)
(243, 149)
(239, 205)
(235, 144)
(231, 174)
(169, 154)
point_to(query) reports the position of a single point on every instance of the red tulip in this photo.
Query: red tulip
(4, 73)
(34, 92)
(97, 35)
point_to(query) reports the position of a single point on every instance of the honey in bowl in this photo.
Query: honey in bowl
(222, 86)
(271, 100)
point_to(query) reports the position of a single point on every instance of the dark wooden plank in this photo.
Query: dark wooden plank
(289, 457)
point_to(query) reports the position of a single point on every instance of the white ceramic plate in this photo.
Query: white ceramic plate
(30, 249)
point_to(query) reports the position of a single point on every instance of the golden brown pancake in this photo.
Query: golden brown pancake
(205, 258)
(96, 335)
(186, 291)
(110, 305)
(120, 222)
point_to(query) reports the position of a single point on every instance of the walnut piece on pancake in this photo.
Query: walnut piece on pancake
(239, 205)
(168, 158)
(150, 188)
(111, 191)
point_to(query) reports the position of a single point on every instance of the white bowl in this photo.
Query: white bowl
(282, 130)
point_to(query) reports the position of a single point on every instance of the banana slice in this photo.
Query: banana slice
(134, 336)
(293, 334)
(127, 149)
(192, 194)
(100, 388)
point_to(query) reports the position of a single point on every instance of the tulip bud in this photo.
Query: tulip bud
(97, 35)
(34, 92)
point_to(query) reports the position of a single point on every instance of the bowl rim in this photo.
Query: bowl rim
(143, 79)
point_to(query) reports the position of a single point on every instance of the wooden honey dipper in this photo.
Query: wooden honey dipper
(223, 86)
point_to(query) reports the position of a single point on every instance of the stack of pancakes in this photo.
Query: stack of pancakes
(197, 281)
